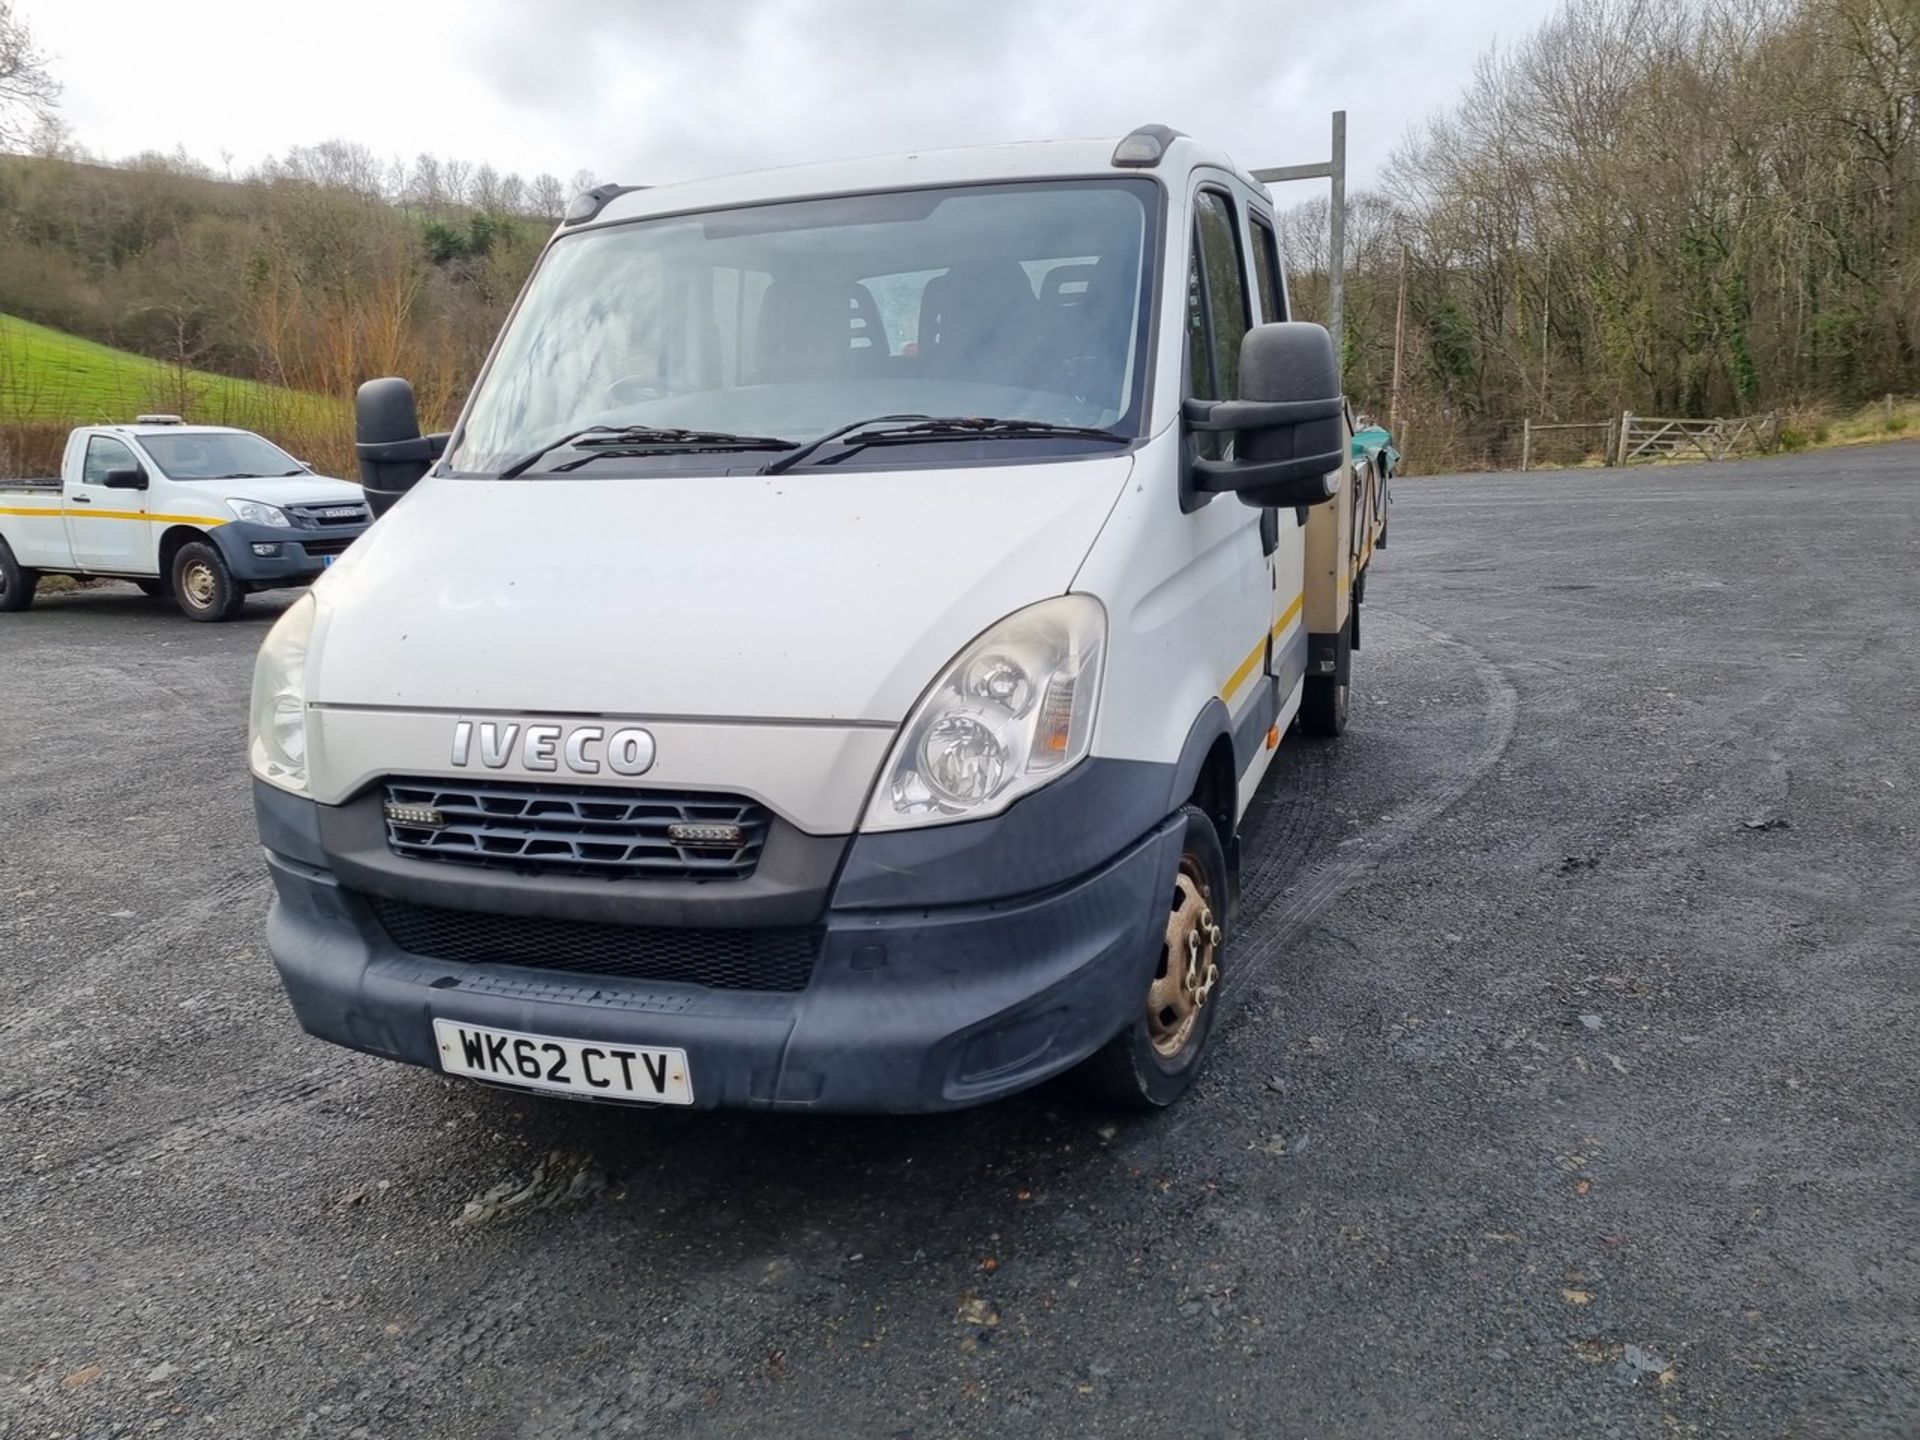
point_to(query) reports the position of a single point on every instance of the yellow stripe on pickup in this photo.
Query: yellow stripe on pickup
(1259, 652)
(91, 514)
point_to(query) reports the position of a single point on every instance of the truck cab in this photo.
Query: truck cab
(826, 666)
(205, 513)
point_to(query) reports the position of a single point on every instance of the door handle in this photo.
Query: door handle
(80, 499)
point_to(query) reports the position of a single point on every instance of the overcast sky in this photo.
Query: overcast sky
(648, 91)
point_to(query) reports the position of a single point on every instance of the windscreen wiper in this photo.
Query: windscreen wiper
(924, 429)
(615, 439)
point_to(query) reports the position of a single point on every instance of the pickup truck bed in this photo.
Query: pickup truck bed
(49, 482)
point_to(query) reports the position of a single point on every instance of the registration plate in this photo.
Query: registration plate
(586, 1068)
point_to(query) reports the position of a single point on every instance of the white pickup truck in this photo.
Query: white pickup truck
(204, 513)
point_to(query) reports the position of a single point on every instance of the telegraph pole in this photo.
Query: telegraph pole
(1399, 344)
(1335, 171)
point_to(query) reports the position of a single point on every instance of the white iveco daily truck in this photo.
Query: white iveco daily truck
(826, 665)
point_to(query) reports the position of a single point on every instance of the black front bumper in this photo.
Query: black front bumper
(298, 555)
(909, 1007)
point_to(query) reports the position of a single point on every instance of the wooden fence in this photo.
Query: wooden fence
(1647, 437)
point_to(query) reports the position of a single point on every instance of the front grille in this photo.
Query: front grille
(720, 959)
(576, 829)
(318, 515)
(326, 547)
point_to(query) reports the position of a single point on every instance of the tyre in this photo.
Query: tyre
(1323, 709)
(1149, 1065)
(154, 589)
(203, 587)
(17, 583)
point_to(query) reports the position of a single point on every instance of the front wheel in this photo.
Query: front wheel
(17, 583)
(1149, 1065)
(203, 587)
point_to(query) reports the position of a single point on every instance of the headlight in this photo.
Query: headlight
(277, 739)
(1012, 712)
(258, 513)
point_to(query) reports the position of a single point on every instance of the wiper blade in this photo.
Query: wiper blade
(921, 429)
(609, 438)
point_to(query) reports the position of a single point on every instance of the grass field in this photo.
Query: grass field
(50, 380)
(47, 375)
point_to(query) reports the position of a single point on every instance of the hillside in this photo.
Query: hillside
(48, 375)
(51, 381)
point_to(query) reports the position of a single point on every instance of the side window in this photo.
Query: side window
(104, 454)
(1266, 271)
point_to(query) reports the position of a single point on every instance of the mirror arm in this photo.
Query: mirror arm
(421, 449)
(1256, 414)
(1319, 475)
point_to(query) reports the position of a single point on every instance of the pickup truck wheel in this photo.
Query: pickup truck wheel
(203, 587)
(1323, 708)
(17, 583)
(1149, 1065)
(154, 589)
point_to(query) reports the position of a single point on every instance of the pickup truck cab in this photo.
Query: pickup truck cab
(827, 664)
(204, 513)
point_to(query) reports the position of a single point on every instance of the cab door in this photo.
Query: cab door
(107, 528)
(1232, 541)
(1284, 531)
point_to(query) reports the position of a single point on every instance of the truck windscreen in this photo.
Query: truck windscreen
(1020, 301)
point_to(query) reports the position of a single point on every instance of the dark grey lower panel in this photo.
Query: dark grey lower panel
(929, 1009)
(1050, 837)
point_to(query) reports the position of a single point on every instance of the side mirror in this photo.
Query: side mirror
(393, 453)
(1289, 446)
(125, 477)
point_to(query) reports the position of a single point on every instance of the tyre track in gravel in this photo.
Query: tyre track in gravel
(1282, 904)
(39, 1018)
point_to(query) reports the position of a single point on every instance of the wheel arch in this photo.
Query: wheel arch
(1206, 774)
(172, 539)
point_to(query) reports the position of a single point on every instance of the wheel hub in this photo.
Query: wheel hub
(198, 582)
(1189, 963)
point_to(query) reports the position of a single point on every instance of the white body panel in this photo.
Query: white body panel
(820, 596)
(92, 530)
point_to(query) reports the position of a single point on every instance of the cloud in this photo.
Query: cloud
(659, 90)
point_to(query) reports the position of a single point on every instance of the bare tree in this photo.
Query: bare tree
(27, 89)
(547, 196)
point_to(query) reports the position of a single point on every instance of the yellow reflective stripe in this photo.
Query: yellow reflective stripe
(1259, 652)
(1247, 666)
(115, 515)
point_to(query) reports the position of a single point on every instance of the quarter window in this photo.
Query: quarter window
(1216, 310)
(104, 455)
(1266, 271)
(1226, 293)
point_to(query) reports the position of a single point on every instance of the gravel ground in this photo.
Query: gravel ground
(1570, 1089)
